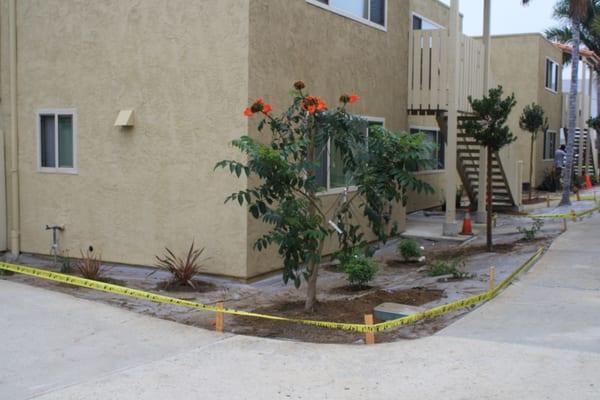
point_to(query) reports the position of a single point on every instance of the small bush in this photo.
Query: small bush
(410, 249)
(90, 265)
(345, 256)
(439, 268)
(530, 233)
(65, 262)
(551, 181)
(360, 270)
(183, 270)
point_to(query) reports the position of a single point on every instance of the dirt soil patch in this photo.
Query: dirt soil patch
(535, 200)
(200, 286)
(351, 310)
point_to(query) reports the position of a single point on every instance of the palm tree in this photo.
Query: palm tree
(589, 33)
(576, 12)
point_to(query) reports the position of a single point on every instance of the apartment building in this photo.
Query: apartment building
(114, 113)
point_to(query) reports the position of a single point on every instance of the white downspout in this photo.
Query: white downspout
(15, 247)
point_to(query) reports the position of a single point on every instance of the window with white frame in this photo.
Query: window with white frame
(419, 23)
(56, 138)
(549, 145)
(330, 173)
(552, 71)
(435, 138)
(373, 11)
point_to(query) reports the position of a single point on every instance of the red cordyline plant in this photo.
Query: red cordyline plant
(90, 265)
(182, 269)
(287, 198)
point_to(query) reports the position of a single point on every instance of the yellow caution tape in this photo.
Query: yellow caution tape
(565, 215)
(362, 328)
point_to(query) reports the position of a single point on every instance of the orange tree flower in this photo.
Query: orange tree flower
(256, 107)
(352, 98)
(313, 104)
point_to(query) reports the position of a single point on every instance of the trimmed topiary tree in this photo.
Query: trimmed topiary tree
(533, 120)
(490, 130)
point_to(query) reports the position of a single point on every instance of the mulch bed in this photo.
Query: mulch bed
(200, 286)
(350, 310)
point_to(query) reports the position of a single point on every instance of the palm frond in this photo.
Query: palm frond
(560, 34)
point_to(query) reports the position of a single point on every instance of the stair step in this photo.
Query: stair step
(471, 158)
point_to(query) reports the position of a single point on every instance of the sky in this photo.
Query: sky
(508, 16)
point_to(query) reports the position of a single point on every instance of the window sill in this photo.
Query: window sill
(337, 191)
(345, 14)
(551, 90)
(60, 171)
(430, 172)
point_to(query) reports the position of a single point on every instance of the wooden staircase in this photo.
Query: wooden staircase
(588, 162)
(468, 169)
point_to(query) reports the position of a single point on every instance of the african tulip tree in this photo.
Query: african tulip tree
(287, 196)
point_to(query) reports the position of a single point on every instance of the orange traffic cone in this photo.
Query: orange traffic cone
(467, 228)
(588, 182)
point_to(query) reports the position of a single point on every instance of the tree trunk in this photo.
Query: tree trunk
(598, 92)
(489, 200)
(568, 170)
(531, 168)
(313, 267)
(311, 289)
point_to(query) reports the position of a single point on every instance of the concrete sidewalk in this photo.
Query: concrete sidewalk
(540, 339)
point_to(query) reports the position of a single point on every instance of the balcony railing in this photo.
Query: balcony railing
(428, 70)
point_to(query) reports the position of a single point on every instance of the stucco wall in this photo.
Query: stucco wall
(183, 66)
(332, 54)
(527, 80)
(551, 102)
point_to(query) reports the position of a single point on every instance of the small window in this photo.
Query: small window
(549, 145)
(419, 23)
(330, 174)
(373, 11)
(552, 73)
(57, 140)
(435, 138)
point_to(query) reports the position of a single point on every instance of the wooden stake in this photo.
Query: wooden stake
(564, 224)
(369, 336)
(547, 201)
(220, 318)
(492, 278)
(574, 215)
(578, 196)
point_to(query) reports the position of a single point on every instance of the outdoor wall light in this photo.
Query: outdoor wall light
(125, 119)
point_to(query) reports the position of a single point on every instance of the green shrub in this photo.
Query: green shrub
(550, 183)
(439, 268)
(529, 233)
(345, 256)
(410, 249)
(65, 262)
(360, 270)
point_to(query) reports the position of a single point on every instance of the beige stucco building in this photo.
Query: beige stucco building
(536, 78)
(180, 73)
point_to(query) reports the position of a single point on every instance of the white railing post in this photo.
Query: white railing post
(519, 185)
(450, 225)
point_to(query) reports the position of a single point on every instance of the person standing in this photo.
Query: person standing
(559, 162)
